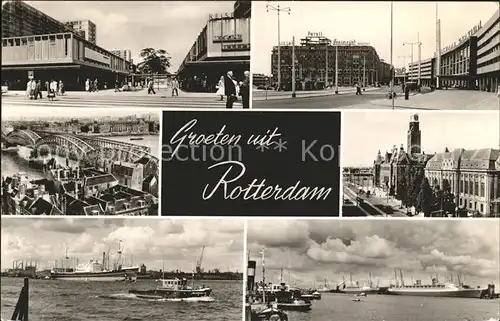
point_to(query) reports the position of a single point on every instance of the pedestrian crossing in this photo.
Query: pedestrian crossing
(119, 102)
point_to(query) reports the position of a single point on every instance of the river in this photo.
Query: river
(57, 300)
(340, 307)
(15, 162)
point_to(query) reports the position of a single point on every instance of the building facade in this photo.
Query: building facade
(53, 51)
(123, 53)
(472, 175)
(259, 80)
(223, 45)
(85, 28)
(315, 63)
(472, 62)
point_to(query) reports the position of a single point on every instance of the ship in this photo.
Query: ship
(97, 271)
(436, 289)
(173, 289)
(357, 288)
(136, 138)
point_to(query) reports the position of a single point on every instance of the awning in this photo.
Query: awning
(38, 67)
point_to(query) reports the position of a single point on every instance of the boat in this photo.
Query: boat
(311, 296)
(94, 271)
(136, 138)
(356, 299)
(436, 289)
(325, 289)
(295, 305)
(173, 289)
(357, 288)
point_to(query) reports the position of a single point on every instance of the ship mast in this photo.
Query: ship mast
(263, 277)
(281, 274)
(402, 279)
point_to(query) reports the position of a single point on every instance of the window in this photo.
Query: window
(482, 190)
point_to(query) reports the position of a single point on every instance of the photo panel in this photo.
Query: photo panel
(80, 161)
(182, 54)
(382, 270)
(413, 55)
(250, 163)
(421, 164)
(122, 268)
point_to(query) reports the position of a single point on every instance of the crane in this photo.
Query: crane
(198, 264)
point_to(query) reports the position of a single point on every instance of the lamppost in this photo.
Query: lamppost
(336, 68)
(278, 10)
(392, 66)
(293, 67)
(364, 72)
(411, 63)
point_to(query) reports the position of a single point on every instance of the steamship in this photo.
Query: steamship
(436, 289)
(357, 288)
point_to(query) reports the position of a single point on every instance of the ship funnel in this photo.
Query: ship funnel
(251, 275)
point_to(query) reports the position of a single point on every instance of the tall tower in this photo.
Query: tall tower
(414, 136)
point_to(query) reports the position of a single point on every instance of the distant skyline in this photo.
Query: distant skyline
(147, 241)
(135, 25)
(365, 133)
(39, 113)
(365, 22)
(310, 251)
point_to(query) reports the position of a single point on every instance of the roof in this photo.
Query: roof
(474, 159)
(101, 179)
(143, 160)
(150, 178)
(42, 207)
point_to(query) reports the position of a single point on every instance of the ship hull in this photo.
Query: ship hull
(111, 276)
(466, 293)
(293, 306)
(171, 294)
(359, 291)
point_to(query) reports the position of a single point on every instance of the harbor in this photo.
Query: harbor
(364, 270)
(77, 267)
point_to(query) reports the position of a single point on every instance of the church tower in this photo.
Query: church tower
(414, 135)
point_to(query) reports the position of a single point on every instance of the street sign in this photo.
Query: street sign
(31, 74)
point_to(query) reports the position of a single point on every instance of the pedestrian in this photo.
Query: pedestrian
(230, 89)
(175, 87)
(61, 88)
(87, 85)
(47, 87)
(96, 85)
(32, 89)
(38, 89)
(220, 88)
(53, 89)
(151, 88)
(245, 90)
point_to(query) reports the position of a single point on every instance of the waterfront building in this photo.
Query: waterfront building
(222, 45)
(35, 45)
(358, 62)
(472, 62)
(473, 175)
(128, 174)
(85, 28)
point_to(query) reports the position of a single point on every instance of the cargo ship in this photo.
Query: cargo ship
(357, 288)
(436, 289)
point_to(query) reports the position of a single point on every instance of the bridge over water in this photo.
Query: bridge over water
(77, 147)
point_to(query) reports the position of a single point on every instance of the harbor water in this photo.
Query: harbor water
(340, 307)
(53, 300)
(14, 162)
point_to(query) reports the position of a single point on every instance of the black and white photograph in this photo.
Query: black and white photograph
(126, 53)
(121, 269)
(431, 164)
(80, 161)
(396, 270)
(376, 55)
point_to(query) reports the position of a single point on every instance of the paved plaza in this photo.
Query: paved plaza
(109, 98)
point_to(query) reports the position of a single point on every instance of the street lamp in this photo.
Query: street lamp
(336, 68)
(392, 66)
(278, 10)
(419, 58)
(293, 67)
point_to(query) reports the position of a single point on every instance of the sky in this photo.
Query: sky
(135, 25)
(311, 251)
(36, 113)
(365, 22)
(148, 241)
(365, 133)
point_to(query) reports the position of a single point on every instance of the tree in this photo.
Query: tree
(402, 186)
(85, 129)
(154, 61)
(410, 191)
(425, 198)
(448, 200)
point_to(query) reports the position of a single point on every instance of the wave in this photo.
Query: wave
(130, 296)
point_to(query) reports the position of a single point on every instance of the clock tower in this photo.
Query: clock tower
(414, 135)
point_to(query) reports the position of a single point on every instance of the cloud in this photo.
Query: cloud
(317, 249)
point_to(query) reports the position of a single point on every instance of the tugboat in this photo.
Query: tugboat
(290, 300)
(173, 289)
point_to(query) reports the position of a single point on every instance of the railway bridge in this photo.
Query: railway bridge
(77, 147)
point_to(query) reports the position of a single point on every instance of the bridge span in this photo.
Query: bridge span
(78, 147)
